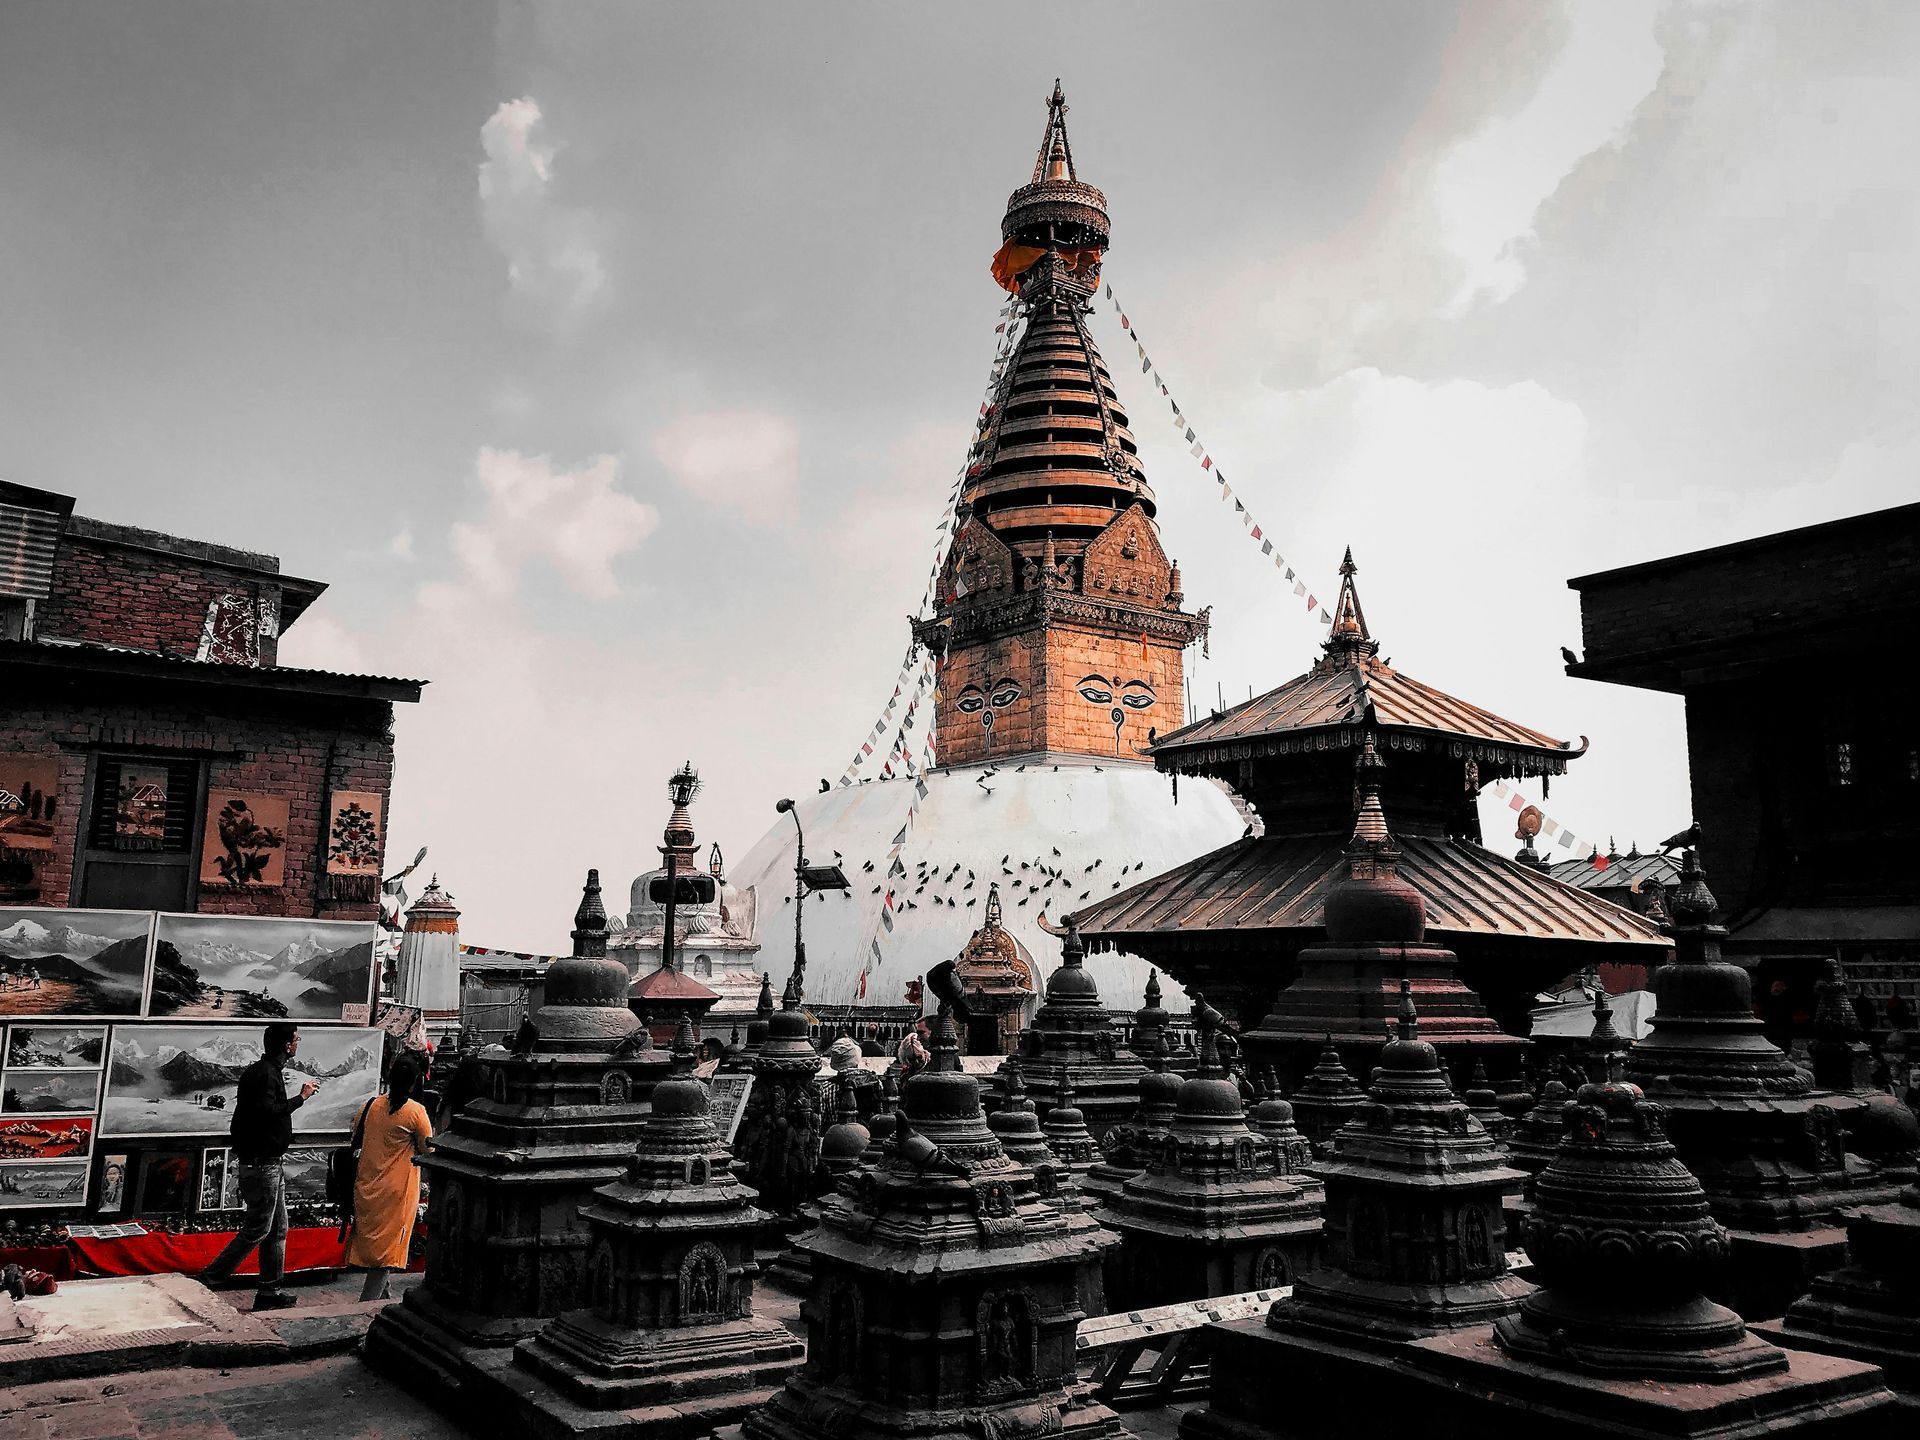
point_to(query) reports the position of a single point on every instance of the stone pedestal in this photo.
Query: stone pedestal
(506, 1247)
(947, 1291)
(668, 1344)
(1072, 1041)
(1869, 1310)
(1210, 1215)
(1327, 1099)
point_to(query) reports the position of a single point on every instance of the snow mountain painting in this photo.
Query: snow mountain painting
(182, 1079)
(209, 967)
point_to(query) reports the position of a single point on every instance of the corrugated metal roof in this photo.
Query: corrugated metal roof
(1337, 691)
(1281, 883)
(1623, 872)
(44, 649)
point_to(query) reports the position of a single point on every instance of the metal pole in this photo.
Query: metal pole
(666, 940)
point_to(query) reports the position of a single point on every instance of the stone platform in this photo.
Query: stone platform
(145, 1322)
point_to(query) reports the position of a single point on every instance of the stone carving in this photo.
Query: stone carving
(615, 1088)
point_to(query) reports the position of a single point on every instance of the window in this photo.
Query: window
(136, 850)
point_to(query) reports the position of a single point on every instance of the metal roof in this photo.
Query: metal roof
(1623, 872)
(1281, 883)
(122, 659)
(1335, 692)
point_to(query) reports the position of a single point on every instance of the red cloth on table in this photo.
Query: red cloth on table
(158, 1253)
(56, 1260)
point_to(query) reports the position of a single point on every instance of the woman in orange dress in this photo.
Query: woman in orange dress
(386, 1184)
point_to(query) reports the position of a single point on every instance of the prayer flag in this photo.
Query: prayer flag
(863, 985)
(1198, 449)
(1266, 546)
(920, 788)
(1298, 588)
(1311, 602)
(1125, 323)
(1189, 433)
(1326, 616)
(1600, 862)
(1206, 462)
(886, 920)
(1238, 505)
(1145, 364)
(901, 838)
(1110, 292)
(1547, 827)
(1256, 533)
(1289, 572)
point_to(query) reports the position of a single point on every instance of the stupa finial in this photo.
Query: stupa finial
(1407, 1024)
(589, 920)
(1349, 639)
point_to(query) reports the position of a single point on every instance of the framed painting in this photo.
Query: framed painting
(50, 1092)
(305, 1169)
(166, 1182)
(182, 1079)
(253, 967)
(219, 1177)
(29, 800)
(245, 844)
(55, 1047)
(113, 1184)
(73, 962)
(140, 799)
(38, 1184)
(26, 1137)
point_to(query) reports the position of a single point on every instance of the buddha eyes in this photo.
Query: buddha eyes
(1137, 699)
(1006, 693)
(970, 702)
(1134, 694)
(1096, 694)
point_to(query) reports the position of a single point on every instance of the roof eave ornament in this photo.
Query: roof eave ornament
(1349, 640)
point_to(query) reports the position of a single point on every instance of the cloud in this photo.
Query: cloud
(579, 521)
(553, 260)
(742, 461)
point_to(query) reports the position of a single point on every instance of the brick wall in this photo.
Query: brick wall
(115, 593)
(1049, 712)
(265, 748)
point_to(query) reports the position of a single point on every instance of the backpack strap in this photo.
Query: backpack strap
(360, 1126)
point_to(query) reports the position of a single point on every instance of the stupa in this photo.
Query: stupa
(779, 1138)
(1415, 1246)
(1130, 1144)
(1327, 1099)
(667, 1344)
(1055, 1179)
(1209, 1215)
(1619, 1338)
(1347, 989)
(946, 1294)
(1071, 1043)
(555, 1119)
(1062, 625)
(1768, 1145)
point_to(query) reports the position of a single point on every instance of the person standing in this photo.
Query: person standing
(386, 1185)
(262, 1130)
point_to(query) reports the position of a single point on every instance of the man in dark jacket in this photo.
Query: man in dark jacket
(262, 1130)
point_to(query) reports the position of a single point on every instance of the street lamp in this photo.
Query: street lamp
(806, 879)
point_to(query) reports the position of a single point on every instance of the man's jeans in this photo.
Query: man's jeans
(264, 1189)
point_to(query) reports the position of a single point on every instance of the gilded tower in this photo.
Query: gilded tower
(1057, 609)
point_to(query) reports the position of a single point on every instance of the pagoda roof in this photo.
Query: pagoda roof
(1350, 685)
(1623, 872)
(1269, 883)
(674, 984)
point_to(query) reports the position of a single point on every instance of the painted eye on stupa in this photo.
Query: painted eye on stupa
(1093, 690)
(971, 700)
(1137, 695)
(1004, 694)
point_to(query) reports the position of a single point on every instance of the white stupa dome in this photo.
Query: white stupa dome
(1117, 813)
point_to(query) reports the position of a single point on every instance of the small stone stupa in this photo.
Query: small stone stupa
(1072, 1041)
(946, 1293)
(779, 1139)
(1769, 1146)
(1055, 1179)
(1348, 985)
(1129, 1145)
(1209, 1215)
(996, 974)
(667, 1344)
(1414, 1240)
(1327, 1099)
(1619, 1338)
(555, 1120)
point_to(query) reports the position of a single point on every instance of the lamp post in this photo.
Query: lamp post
(806, 879)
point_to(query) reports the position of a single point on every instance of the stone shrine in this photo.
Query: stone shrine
(1619, 1338)
(996, 975)
(1055, 1179)
(1327, 1099)
(1376, 927)
(1209, 1215)
(947, 1290)
(779, 1139)
(1415, 1246)
(1770, 1149)
(554, 1120)
(1869, 1310)
(667, 1344)
(1072, 1043)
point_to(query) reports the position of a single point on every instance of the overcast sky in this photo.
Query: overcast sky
(611, 361)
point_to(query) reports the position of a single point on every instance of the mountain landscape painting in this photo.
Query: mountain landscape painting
(56, 1047)
(72, 962)
(235, 967)
(50, 1092)
(25, 1138)
(41, 1183)
(181, 1079)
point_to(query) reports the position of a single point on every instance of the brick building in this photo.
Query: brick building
(139, 692)
(1791, 652)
